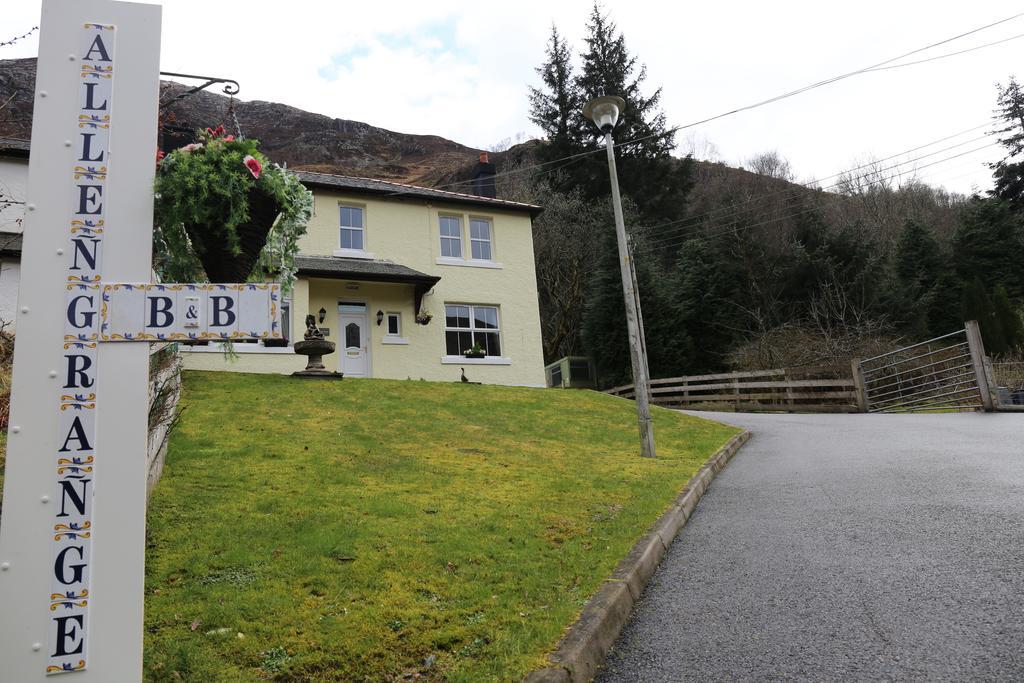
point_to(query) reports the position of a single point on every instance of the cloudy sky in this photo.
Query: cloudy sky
(461, 69)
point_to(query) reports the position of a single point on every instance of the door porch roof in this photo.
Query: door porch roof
(363, 270)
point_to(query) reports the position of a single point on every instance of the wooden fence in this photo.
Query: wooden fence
(808, 389)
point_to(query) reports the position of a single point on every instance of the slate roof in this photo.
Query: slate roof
(10, 244)
(14, 147)
(361, 269)
(388, 188)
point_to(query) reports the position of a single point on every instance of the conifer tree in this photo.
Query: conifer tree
(918, 257)
(604, 322)
(1009, 171)
(656, 182)
(989, 244)
(609, 69)
(978, 306)
(557, 109)
(943, 312)
(1008, 318)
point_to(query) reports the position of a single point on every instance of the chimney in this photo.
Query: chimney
(483, 180)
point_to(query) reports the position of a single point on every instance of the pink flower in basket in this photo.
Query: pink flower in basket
(188, 149)
(253, 164)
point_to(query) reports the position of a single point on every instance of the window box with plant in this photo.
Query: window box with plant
(475, 351)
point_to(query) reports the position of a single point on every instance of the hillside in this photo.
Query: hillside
(302, 139)
(392, 530)
(289, 135)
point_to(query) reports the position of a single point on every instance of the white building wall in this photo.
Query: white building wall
(10, 275)
(13, 180)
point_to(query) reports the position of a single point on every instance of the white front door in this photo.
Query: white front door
(355, 361)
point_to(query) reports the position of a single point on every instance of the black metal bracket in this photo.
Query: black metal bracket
(231, 86)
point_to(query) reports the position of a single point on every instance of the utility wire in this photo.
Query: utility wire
(680, 239)
(816, 183)
(833, 79)
(792, 93)
(842, 177)
(949, 54)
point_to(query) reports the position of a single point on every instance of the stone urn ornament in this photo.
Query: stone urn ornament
(315, 347)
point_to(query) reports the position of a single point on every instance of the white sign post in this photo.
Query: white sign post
(72, 538)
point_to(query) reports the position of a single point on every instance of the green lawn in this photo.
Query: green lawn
(373, 530)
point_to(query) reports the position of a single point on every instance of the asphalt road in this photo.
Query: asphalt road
(845, 547)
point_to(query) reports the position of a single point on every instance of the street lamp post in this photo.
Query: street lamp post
(604, 112)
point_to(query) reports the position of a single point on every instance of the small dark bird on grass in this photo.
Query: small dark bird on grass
(465, 379)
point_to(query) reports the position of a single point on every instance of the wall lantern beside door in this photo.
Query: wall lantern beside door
(323, 314)
(380, 317)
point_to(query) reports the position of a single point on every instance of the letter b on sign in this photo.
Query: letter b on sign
(222, 312)
(159, 312)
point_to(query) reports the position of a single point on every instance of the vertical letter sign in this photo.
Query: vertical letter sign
(76, 460)
(72, 541)
(75, 429)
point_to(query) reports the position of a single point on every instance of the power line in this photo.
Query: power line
(792, 93)
(834, 79)
(872, 163)
(680, 239)
(950, 54)
(737, 229)
(689, 221)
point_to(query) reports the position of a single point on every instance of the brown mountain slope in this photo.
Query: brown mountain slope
(722, 195)
(289, 135)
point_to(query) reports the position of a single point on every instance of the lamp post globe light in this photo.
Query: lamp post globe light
(604, 112)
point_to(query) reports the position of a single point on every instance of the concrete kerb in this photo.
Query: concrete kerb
(584, 647)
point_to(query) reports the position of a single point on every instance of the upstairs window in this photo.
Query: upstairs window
(451, 236)
(352, 228)
(480, 239)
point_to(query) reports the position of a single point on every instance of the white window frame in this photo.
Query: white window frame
(473, 241)
(460, 358)
(347, 252)
(397, 317)
(466, 240)
(441, 218)
(388, 337)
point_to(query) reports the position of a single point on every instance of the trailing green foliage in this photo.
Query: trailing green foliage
(207, 185)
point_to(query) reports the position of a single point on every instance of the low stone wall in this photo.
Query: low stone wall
(164, 393)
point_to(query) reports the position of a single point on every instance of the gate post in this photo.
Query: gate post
(977, 348)
(859, 386)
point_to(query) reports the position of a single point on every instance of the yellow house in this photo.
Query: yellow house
(405, 280)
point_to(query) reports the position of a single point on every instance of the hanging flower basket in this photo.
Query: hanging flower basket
(227, 260)
(424, 318)
(224, 213)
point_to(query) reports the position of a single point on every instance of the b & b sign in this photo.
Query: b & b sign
(172, 312)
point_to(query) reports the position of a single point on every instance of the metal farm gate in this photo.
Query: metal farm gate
(942, 374)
